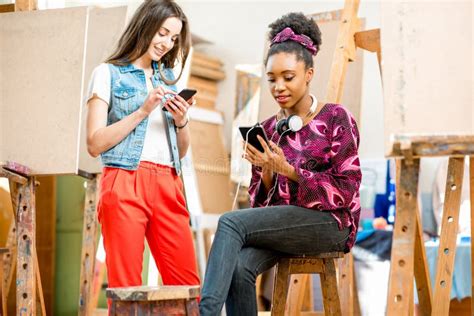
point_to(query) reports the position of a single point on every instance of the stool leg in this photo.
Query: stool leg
(332, 305)
(113, 308)
(280, 288)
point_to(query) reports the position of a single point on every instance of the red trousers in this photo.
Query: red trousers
(146, 203)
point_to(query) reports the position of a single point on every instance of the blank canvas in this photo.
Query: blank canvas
(427, 68)
(43, 63)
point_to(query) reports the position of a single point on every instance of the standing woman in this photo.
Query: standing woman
(141, 145)
(305, 185)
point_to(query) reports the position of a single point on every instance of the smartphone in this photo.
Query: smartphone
(250, 135)
(186, 94)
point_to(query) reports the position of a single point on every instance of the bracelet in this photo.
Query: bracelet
(183, 126)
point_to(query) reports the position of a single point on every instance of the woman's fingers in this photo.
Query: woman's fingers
(192, 101)
(177, 110)
(168, 107)
(252, 150)
(275, 148)
(158, 92)
(181, 101)
(263, 143)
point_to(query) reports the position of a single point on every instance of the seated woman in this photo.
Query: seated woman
(305, 185)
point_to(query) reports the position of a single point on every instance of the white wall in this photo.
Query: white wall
(238, 30)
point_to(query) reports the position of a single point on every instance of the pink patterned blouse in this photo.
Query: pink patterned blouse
(324, 154)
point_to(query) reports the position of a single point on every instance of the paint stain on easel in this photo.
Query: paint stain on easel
(28, 247)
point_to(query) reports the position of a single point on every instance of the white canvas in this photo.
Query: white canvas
(427, 68)
(43, 64)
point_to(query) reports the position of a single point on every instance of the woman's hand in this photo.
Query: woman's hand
(178, 107)
(271, 160)
(154, 99)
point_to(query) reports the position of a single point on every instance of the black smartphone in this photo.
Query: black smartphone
(186, 94)
(250, 135)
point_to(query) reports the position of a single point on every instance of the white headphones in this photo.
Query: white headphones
(294, 122)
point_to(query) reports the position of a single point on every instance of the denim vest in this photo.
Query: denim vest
(128, 92)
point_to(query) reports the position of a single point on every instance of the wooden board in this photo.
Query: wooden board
(421, 78)
(105, 26)
(41, 93)
(353, 83)
(153, 293)
(207, 73)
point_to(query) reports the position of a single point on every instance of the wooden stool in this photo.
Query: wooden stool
(323, 264)
(3, 299)
(154, 300)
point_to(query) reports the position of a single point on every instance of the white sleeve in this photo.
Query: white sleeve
(99, 84)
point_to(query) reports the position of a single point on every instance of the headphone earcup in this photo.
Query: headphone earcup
(294, 123)
(281, 126)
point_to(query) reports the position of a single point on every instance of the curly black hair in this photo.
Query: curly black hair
(300, 24)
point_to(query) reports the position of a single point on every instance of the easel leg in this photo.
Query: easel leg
(3, 298)
(26, 274)
(471, 195)
(449, 231)
(89, 237)
(403, 247)
(9, 260)
(422, 275)
(39, 284)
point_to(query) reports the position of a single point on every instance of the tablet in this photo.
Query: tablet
(252, 132)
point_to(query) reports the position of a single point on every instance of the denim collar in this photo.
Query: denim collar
(130, 67)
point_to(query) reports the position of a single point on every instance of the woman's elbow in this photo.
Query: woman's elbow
(182, 152)
(92, 152)
(92, 149)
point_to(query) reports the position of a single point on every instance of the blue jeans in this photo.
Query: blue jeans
(249, 242)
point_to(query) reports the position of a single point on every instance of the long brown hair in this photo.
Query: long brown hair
(144, 24)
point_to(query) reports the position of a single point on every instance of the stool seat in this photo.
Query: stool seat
(322, 264)
(154, 300)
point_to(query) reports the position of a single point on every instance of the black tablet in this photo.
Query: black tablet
(249, 134)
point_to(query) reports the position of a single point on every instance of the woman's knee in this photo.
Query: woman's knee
(228, 220)
(242, 272)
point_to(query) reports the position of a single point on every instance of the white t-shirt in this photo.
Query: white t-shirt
(155, 146)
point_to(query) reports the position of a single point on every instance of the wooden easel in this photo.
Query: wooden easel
(408, 259)
(22, 236)
(23, 233)
(89, 245)
(349, 38)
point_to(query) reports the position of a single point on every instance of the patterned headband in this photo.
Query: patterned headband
(288, 34)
